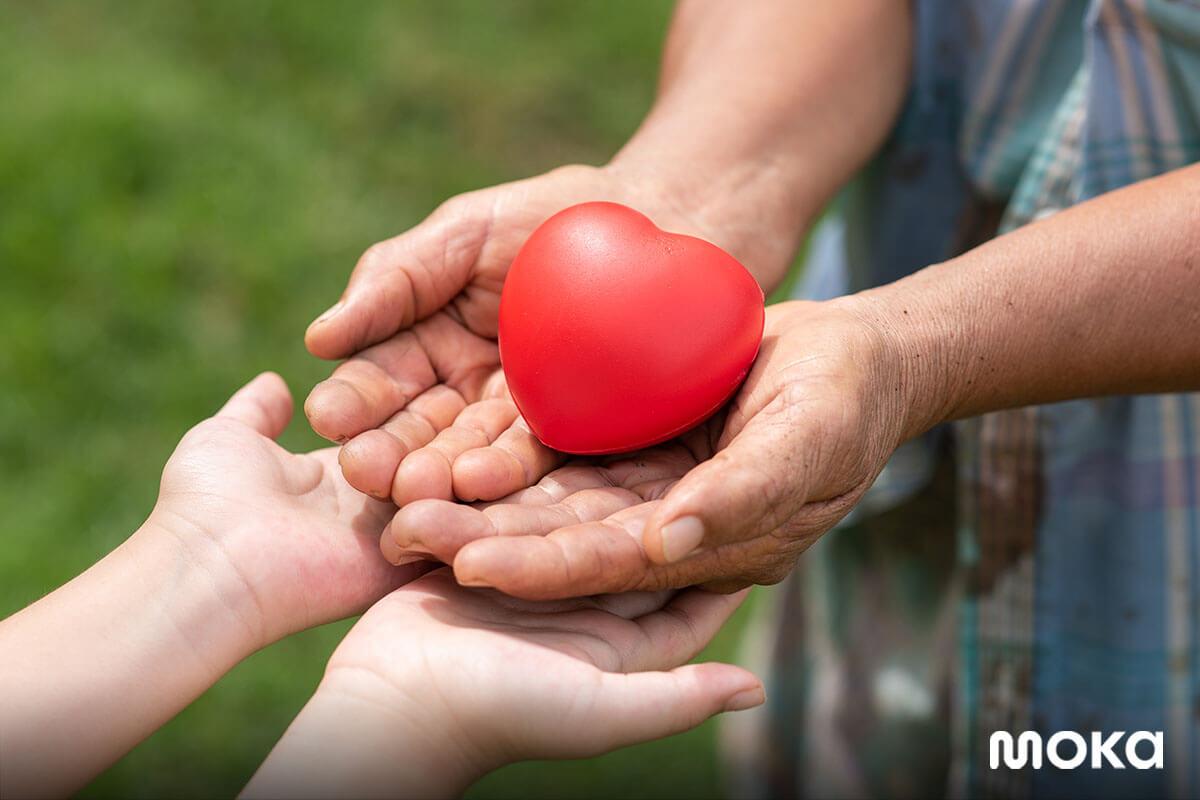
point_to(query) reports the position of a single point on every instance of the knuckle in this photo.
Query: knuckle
(454, 207)
(726, 585)
(771, 571)
(375, 256)
(215, 430)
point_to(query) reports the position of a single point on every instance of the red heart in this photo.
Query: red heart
(616, 335)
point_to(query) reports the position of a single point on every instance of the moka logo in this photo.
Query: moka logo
(1070, 750)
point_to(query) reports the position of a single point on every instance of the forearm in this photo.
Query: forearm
(765, 109)
(347, 743)
(93, 668)
(1100, 299)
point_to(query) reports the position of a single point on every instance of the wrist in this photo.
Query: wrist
(355, 739)
(207, 602)
(105, 660)
(751, 205)
(916, 349)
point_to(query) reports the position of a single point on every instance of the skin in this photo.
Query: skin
(1072, 306)
(417, 322)
(427, 713)
(582, 528)
(248, 543)
(838, 386)
(420, 403)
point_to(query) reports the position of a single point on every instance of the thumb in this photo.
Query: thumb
(641, 706)
(744, 491)
(402, 280)
(264, 404)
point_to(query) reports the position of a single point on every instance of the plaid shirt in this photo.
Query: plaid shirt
(1035, 569)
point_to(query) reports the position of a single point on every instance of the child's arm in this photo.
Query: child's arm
(246, 544)
(438, 684)
(93, 668)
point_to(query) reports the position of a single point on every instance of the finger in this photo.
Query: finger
(747, 490)
(432, 528)
(642, 706)
(264, 404)
(369, 388)
(680, 630)
(381, 380)
(557, 486)
(668, 633)
(369, 461)
(514, 461)
(592, 558)
(440, 528)
(402, 280)
(632, 605)
(426, 473)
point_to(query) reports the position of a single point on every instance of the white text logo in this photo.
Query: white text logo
(1068, 750)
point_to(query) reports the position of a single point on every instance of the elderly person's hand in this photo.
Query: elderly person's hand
(418, 320)
(1046, 313)
(733, 502)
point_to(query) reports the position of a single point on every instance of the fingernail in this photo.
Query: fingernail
(409, 558)
(681, 537)
(747, 699)
(331, 311)
(473, 581)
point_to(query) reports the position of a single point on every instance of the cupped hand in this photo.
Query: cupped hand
(286, 541)
(734, 502)
(485, 679)
(418, 324)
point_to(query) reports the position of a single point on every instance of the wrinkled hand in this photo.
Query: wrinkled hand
(287, 542)
(418, 322)
(483, 679)
(733, 502)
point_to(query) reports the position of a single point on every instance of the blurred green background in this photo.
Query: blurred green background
(183, 186)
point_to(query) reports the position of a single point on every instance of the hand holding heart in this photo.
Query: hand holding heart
(427, 415)
(418, 322)
(730, 503)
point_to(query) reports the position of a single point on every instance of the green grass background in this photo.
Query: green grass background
(183, 186)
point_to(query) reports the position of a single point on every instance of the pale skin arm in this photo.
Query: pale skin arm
(246, 544)
(91, 669)
(350, 745)
(1100, 299)
(437, 685)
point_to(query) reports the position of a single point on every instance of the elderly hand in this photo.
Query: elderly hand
(733, 502)
(418, 322)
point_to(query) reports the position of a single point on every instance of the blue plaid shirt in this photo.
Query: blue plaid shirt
(1072, 584)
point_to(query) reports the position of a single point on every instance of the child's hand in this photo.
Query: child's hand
(246, 544)
(438, 684)
(287, 542)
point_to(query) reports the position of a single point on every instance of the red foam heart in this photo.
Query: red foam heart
(616, 335)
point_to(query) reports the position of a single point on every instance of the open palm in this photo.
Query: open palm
(288, 542)
(418, 324)
(802, 441)
(508, 679)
